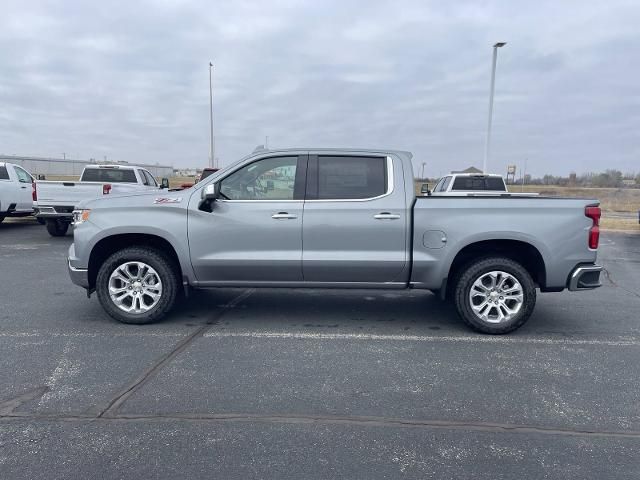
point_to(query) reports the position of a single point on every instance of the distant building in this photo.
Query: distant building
(468, 170)
(629, 182)
(73, 168)
(187, 172)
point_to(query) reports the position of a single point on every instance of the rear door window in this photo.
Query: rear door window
(109, 175)
(4, 174)
(345, 177)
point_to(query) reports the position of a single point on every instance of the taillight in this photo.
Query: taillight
(594, 213)
(106, 189)
(34, 192)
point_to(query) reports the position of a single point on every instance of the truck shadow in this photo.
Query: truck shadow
(409, 312)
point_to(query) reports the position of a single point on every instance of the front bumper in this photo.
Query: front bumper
(585, 277)
(79, 276)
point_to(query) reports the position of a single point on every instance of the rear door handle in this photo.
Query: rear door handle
(283, 216)
(386, 216)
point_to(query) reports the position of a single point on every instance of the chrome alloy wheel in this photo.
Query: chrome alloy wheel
(496, 297)
(135, 287)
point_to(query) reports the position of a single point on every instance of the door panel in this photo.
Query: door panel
(256, 239)
(354, 239)
(24, 190)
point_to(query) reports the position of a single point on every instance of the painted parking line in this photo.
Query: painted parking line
(621, 341)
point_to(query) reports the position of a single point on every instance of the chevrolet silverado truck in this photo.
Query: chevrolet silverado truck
(16, 191)
(323, 218)
(56, 200)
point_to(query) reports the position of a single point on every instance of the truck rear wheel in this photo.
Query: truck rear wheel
(57, 228)
(495, 295)
(1, 218)
(137, 285)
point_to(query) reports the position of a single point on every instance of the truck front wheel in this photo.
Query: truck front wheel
(137, 285)
(495, 295)
(57, 228)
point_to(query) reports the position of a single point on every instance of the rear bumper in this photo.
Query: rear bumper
(585, 277)
(58, 211)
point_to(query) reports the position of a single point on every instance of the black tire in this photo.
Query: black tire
(2, 218)
(474, 271)
(57, 228)
(165, 269)
(41, 221)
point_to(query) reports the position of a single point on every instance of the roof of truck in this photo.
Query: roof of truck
(113, 167)
(475, 175)
(260, 150)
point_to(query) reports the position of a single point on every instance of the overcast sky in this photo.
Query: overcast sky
(129, 80)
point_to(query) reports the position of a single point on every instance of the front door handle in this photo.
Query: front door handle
(283, 216)
(386, 216)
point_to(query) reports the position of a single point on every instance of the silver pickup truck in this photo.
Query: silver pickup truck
(333, 219)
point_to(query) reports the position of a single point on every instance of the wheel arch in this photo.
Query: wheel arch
(517, 250)
(113, 243)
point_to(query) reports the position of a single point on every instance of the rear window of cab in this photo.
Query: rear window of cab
(111, 175)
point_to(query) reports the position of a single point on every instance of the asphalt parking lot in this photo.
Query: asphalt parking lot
(315, 383)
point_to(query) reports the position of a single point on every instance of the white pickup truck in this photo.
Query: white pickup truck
(16, 191)
(56, 201)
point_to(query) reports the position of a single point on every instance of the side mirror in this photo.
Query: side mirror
(424, 190)
(211, 191)
(164, 183)
(209, 195)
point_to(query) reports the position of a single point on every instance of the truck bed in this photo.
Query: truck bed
(57, 193)
(444, 225)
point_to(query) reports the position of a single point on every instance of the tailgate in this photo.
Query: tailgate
(66, 193)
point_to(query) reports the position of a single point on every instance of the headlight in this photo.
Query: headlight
(80, 216)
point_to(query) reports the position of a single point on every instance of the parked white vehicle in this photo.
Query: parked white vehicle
(461, 184)
(16, 191)
(56, 200)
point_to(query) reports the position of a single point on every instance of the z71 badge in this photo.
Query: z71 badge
(167, 200)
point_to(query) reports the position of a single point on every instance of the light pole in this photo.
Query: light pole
(212, 147)
(423, 165)
(491, 89)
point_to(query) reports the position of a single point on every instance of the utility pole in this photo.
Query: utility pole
(266, 142)
(212, 146)
(423, 165)
(491, 90)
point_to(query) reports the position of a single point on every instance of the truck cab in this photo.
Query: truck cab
(16, 191)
